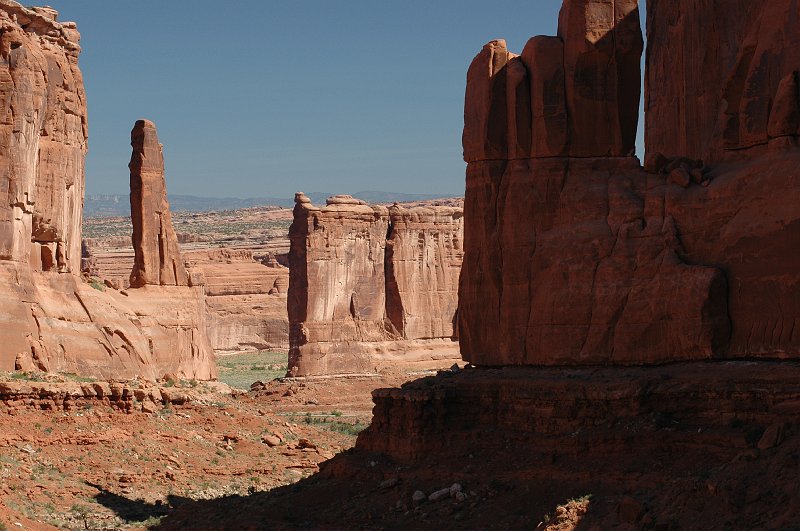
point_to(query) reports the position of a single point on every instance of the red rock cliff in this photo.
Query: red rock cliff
(49, 318)
(369, 284)
(43, 139)
(721, 77)
(572, 256)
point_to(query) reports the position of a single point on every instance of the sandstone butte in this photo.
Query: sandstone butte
(51, 319)
(371, 285)
(573, 253)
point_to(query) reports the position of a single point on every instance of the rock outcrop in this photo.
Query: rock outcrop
(576, 255)
(43, 138)
(370, 284)
(578, 260)
(572, 95)
(49, 318)
(424, 250)
(157, 259)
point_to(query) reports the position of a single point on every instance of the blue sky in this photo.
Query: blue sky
(258, 98)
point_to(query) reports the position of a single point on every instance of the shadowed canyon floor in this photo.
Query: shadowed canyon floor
(683, 446)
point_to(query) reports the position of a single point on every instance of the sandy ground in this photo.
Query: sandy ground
(97, 467)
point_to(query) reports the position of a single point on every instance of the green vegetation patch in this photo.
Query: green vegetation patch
(241, 370)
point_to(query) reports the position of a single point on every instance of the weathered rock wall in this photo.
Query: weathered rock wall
(721, 76)
(572, 95)
(49, 318)
(369, 284)
(588, 259)
(43, 139)
(424, 254)
(245, 300)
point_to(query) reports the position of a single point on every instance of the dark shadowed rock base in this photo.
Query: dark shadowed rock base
(700, 445)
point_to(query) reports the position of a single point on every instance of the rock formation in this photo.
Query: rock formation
(739, 94)
(240, 256)
(157, 259)
(572, 95)
(369, 283)
(573, 253)
(245, 299)
(43, 138)
(49, 318)
(577, 260)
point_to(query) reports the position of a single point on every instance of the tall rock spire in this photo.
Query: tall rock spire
(157, 257)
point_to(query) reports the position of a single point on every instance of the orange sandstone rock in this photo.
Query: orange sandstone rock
(49, 318)
(157, 257)
(574, 254)
(370, 285)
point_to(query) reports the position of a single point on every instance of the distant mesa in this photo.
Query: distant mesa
(115, 205)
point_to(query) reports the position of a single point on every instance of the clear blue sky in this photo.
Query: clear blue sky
(258, 98)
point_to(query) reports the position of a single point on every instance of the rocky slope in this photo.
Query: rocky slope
(370, 285)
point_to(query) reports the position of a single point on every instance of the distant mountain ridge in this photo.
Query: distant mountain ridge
(115, 205)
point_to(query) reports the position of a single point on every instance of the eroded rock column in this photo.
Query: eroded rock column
(157, 257)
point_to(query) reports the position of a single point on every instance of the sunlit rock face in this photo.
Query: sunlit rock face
(371, 285)
(43, 139)
(574, 253)
(50, 319)
(157, 259)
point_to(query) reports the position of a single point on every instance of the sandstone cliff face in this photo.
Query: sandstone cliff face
(157, 257)
(245, 300)
(740, 93)
(571, 95)
(424, 251)
(588, 259)
(43, 138)
(366, 282)
(50, 319)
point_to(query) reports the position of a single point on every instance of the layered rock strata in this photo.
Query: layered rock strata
(50, 319)
(66, 396)
(370, 284)
(641, 440)
(245, 299)
(577, 255)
